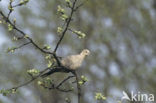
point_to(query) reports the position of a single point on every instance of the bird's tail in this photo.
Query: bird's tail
(49, 73)
(57, 69)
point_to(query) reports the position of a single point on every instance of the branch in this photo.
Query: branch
(64, 81)
(17, 5)
(24, 34)
(22, 45)
(40, 75)
(10, 9)
(67, 25)
(28, 82)
(80, 5)
(52, 86)
(78, 87)
(59, 89)
(59, 68)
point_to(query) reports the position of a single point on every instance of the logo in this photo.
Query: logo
(137, 96)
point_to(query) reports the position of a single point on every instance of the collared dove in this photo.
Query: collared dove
(74, 61)
(71, 62)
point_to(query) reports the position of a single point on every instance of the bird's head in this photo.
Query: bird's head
(85, 52)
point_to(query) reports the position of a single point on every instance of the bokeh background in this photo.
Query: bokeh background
(121, 35)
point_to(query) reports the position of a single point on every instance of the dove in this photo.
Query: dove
(72, 62)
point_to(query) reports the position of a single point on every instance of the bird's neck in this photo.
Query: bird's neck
(82, 55)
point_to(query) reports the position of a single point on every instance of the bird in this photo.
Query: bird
(71, 62)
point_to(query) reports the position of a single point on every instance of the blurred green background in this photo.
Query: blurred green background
(121, 35)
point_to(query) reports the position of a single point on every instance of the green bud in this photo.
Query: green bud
(26, 36)
(84, 79)
(10, 27)
(10, 8)
(80, 34)
(14, 38)
(80, 82)
(59, 30)
(47, 47)
(14, 20)
(99, 96)
(33, 72)
(64, 17)
(12, 49)
(49, 64)
(23, 2)
(60, 9)
(82, 76)
(14, 91)
(48, 56)
(39, 83)
(68, 3)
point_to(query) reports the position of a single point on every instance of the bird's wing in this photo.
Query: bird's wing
(69, 60)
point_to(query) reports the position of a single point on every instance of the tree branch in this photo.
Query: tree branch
(28, 82)
(64, 81)
(57, 69)
(24, 34)
(67, 25)
(78, 87)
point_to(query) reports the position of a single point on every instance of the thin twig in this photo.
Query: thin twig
(28, 82)
(17, 5)
(80, 5)
(64, 81)
(67, 25)
(64, 90)
(59, 89)
(22, 45)
(10, 9)
(24, 34)
(52, 86)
